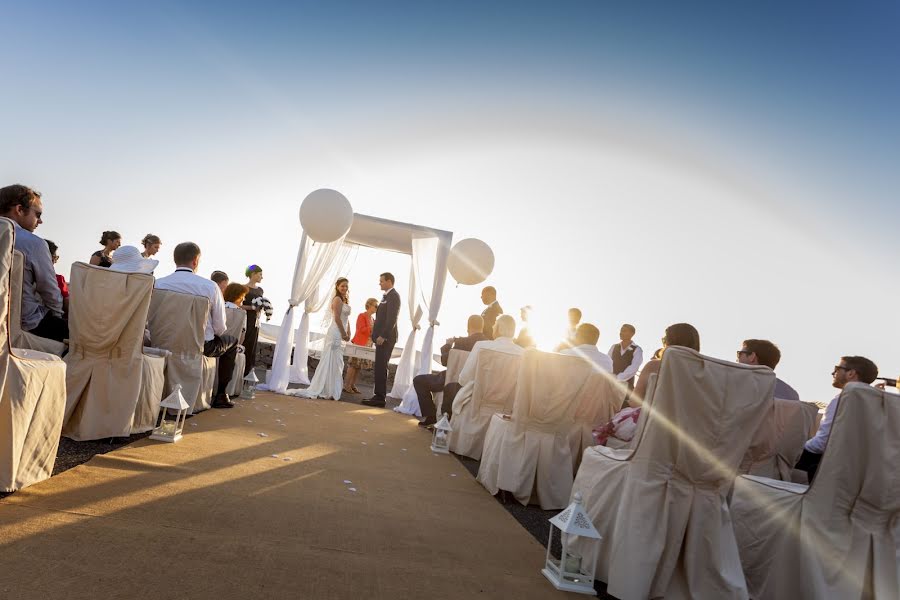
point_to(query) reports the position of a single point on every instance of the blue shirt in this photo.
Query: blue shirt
(784, 391)
(40, 292)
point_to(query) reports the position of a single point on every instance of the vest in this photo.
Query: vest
(622, 361)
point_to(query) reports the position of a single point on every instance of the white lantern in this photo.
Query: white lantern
(440, 441)
(170, 431)
(250, 381)
(571, 573)
(470, 261)
(326, 215)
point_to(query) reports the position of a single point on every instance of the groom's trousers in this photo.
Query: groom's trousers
(382, 356)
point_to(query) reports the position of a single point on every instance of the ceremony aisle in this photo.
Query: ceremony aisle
(277, 498)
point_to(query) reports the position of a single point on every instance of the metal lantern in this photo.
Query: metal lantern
(440, 441)
(571, 573)
(170, 431)
(250, 381)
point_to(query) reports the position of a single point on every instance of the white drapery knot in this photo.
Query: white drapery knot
(293, 303)
(435, 323)
(417, 327)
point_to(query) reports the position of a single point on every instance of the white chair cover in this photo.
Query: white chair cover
(661, 507)
(597, 402)
(153, 383)
(779, 442)
(32, 398)
(532, 450)
(236, 325)
(177, 323)
(839, 537)
(494, 390)
(24, 339)
(456, 360)
(107, 314)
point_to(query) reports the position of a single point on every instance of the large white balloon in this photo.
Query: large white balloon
(470, 261)
(326, 215)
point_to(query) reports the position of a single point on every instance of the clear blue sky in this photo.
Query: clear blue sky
(733, 165)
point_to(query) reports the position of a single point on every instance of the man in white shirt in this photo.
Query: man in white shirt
(586, 338)
(851, 368)
(217, 343)
(456, 395)
(626, 356)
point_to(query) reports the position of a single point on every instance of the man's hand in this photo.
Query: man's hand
(379, 340)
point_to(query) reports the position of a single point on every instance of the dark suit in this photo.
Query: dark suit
(490, 315)
(427, 385)
(385, 327)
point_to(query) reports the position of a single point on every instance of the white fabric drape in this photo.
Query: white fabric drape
(429, 268)
(314, 262)
(406, 369)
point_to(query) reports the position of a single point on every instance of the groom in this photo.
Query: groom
(384, 333)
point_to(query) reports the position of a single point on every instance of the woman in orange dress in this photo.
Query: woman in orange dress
(363, 337)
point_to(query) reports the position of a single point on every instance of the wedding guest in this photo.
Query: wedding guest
(493, 310)
(524, 338)
(586, 338)
(850, 369)
(574, 316)
(128, 259)
(216, 342)
(764, 352)
(234, 294)
(624, 423)
(151, 245)
(254, 274)
(626, 356)
(220, 278)
(110, 240)
(60, 279)
(363, 337)
(42, 303)
(427, 385)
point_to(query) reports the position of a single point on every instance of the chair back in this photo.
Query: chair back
(546, 390)
(236, 323)
(496, 375)
(7, 242)
(455, 363)
(704, 414)
(778, 443)
(599, 399)
(19, 338)
(177, 322)
(858, 482)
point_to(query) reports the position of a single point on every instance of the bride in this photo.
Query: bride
(328, 379)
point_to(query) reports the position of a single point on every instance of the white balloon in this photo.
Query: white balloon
(470, 261)
(326, 215)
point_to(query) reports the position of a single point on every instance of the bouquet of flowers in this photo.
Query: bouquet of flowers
(622, 426)
(263, 303)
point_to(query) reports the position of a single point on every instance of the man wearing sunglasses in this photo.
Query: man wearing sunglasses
(42, 302)
(764, 352)
(851, 368)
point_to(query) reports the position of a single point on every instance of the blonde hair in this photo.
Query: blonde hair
(370, 302)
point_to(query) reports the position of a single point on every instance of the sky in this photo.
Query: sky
(732, 165)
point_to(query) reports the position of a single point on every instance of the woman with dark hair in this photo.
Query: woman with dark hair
(623, 425)
(328, 380)
(254, 275)
(110, 240)
(60, 280)
(151, 245)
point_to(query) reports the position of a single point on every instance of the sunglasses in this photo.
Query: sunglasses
(836, 367)
(744, 352)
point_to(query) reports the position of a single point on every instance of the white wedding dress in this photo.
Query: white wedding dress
(328, 380)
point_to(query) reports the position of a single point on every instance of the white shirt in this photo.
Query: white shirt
(636, 359)
(501, 344)
(184, 280)
(817, 444)
(593, 354)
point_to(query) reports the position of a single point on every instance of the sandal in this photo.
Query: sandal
(350, 391)
(353, 387)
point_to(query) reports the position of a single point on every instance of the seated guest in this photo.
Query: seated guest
(128, 259)
(217, 342)
(764, 352)
(461, 392)
(151, 245)
(624, 423)
(60, 280)
(493, 310)
(586, 338)
(110, 240)
(627, 356)
(234, 294)
(524, 338)
(362, 337)
(574, 319)
(427, 385)
(42, 303)
(220, 278)
(851, 368)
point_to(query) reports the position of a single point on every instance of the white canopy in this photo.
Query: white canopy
(429, 249)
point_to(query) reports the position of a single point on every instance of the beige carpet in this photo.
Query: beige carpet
(228, 512)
